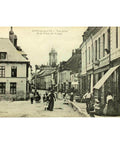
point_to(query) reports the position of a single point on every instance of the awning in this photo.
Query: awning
(105, 77)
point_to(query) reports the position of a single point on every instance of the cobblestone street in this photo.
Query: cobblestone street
(25, 109)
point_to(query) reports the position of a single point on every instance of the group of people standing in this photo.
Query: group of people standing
(34, 95)
(66, 95)
(94, 106)
(48, 99)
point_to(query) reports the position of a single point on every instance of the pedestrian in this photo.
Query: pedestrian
(65, 98)
(44, 98)
(64, 94)
(45, 101)
(110, 104)
(37, 97)
(31, 97)
(109, 97)
(47, 96)
(51, 101)
(71, 97)
(56, 95)
(88, 100)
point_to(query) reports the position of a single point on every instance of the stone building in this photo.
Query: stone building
(13, 69)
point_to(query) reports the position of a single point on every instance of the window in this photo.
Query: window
(96, 50)
(92, 53)
(85, 57)
(103, 45)
(89, 55)
(99, 47)
(2, 88)
(108, 39)
(2, 71)
(12, 88)
(13, 71)
(116, 37)
(2, 55)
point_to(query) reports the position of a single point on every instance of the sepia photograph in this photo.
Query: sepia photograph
(60, 71)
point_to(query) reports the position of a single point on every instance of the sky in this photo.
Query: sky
(38, 41)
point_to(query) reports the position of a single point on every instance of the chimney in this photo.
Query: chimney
(15, 41)
(11, 34)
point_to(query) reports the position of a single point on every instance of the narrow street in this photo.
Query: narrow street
(26, 109)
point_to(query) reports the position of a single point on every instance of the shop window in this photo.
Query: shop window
(13, 71)
(12, 88)
(2, 88)
(2, 71)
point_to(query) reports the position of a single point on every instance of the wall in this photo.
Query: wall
(21, 69)
(21, 80)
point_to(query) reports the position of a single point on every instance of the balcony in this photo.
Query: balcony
(102, 62)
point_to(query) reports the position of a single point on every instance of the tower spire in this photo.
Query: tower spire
(11, 30)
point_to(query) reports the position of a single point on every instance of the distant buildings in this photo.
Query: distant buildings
(46, 76)
(68, 73)
(14, 67)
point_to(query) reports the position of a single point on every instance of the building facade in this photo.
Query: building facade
(13, 70)
(46, 80)
(68, 73)
(64, 82)
(100, 60)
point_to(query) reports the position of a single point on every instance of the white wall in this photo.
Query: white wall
(21, 69)
(20, 79)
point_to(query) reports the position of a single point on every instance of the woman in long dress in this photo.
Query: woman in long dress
(51, 101)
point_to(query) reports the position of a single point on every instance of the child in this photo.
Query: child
(46, 101)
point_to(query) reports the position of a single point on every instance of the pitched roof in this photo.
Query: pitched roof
(13, 55)
(46, 73)
(74, 63)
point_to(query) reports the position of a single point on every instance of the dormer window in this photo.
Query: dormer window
(3, 55)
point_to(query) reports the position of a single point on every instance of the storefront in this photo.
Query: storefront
(110, 81)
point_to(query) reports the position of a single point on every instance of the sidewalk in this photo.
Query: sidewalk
(80, 107)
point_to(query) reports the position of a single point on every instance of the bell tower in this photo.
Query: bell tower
(53, 57)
